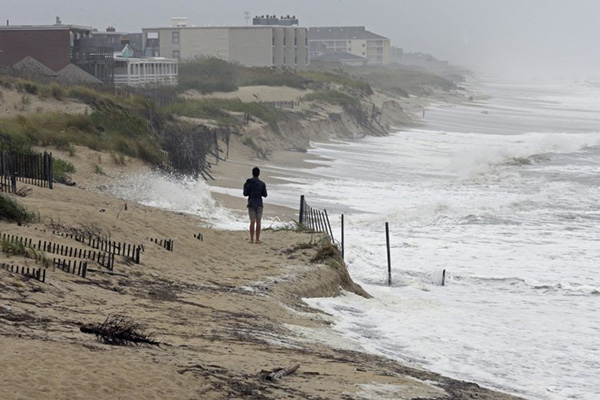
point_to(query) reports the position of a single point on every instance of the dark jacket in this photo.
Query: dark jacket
(255, 189)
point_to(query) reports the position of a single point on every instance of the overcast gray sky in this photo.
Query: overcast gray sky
(529, 37)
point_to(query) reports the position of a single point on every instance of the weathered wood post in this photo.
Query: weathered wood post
(342, 236)
(387, 240)
(301, 213)
(329, 225)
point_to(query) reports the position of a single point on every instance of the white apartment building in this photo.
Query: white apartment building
(252, 46)
(375, 49)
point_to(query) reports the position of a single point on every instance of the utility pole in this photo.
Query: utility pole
(247, 16)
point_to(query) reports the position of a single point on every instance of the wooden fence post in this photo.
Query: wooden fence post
(387, 240)
(342, 236)
(301, 216)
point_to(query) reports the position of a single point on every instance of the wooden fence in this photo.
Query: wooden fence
(8, 178)
(166, 243)
(314, 219)
(131, 251)
(35, 273)
(104, 259)
(33, 169)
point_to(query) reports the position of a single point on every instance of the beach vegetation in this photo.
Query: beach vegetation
(324, 79)
(404, 81)
(13, 211)
(18, 248)
(334, 97)
(62, 170)
(98, 169)
(222, 110)
(328, 253)
(208, 75)
(127, 124)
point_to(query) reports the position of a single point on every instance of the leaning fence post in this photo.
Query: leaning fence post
(301, 216)
(342, 236)
(329, 225)
(387, 240)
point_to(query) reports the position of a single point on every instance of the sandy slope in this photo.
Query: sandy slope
(223, 309)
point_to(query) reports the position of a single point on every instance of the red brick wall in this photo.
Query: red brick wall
(50, 47)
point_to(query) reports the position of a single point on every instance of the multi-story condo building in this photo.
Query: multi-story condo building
(375, 49)
(253, 46)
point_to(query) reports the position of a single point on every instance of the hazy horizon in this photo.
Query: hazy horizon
(513, 38)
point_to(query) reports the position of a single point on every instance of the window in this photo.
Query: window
(175, 36)
(176, 54)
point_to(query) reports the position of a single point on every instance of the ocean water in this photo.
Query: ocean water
(503, 195)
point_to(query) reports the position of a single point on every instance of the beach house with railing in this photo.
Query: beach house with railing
(135, 71)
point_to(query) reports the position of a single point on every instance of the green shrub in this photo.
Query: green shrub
(324, 78)
(208, 74)
(12, 210)
(333, 97)
(61, 170)
(27, 86)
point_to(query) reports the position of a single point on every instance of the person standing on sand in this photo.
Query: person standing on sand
(255, 190)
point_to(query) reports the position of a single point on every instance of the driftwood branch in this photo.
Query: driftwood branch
(119, 330)
(278, 373)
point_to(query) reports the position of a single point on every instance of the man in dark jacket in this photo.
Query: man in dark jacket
(255, 189)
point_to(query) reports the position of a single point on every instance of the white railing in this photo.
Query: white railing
(141, 80)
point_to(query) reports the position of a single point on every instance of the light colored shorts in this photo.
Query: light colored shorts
(255, 212)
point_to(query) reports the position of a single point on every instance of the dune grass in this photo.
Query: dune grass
(13, 211)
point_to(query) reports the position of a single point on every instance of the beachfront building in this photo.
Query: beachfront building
(116, 40)
(134, 71)
(252, 46)
(374, 48)
(50, 45)
(55, 47)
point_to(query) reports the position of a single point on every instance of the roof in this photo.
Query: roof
(33, 68)
(73, 74)
(45, 28)
(222, 27)
(341, 33)
(339, 56)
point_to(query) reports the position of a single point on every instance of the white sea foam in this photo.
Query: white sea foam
(508, 203)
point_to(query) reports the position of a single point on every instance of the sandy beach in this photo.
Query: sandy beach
(225, 312)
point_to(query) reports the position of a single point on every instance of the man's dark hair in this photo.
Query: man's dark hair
(255, 172)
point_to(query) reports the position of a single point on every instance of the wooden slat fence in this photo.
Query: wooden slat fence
(8, 178)
(131, 251)
(34, 169)
(76, 268)
(166, 243)
(314, 219)
(104, 259)
(35, 273)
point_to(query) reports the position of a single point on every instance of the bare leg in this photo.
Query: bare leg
(252, 223)
(258, 231)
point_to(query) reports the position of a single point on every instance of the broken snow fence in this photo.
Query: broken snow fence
(314, 219)
(33, 169)
(104, 259)
(128, 250)
(35, 273)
